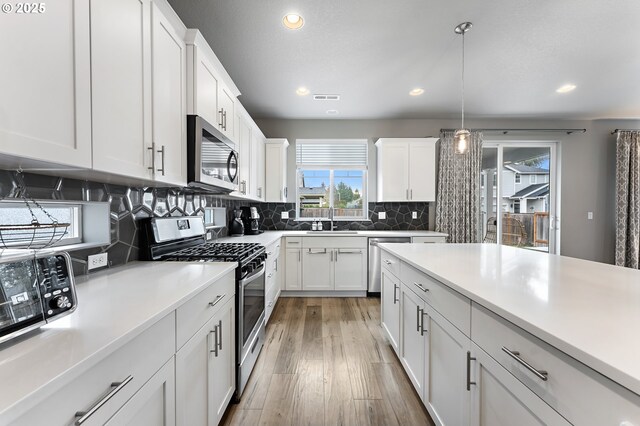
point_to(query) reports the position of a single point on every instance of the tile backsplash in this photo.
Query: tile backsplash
(398, 217)
(128, 205)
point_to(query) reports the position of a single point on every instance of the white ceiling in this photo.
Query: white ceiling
(372, 52)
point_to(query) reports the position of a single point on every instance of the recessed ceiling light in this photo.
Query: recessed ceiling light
(302, 91)
(293, 21)
(332, 111)
(566, 88)
(416, 92)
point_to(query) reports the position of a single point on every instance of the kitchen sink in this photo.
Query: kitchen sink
(333, 232)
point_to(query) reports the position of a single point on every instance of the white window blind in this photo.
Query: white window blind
(334, 153)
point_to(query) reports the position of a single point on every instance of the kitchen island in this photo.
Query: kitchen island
(572, 322)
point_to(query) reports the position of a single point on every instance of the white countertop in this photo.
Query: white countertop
(114, 306)
(587, 310)
(268, 237)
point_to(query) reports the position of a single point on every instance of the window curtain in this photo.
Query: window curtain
(458, 201)
(628, 199)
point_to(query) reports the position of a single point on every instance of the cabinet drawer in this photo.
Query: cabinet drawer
(270, 302)
(390, 263)
(273, 250)
(334, 242)
(293, 242)
(580, 394)
(132, 366)
(452, 305)
(196, 312)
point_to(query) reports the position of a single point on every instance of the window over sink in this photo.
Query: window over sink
(332, 175)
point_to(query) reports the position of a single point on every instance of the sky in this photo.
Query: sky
(314, 178)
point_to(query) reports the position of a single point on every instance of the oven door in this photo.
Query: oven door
(20, 301)
(251, 305)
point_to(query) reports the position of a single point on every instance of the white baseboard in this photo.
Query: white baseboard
(329, 293)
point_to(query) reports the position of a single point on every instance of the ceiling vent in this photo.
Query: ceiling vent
(326, 97)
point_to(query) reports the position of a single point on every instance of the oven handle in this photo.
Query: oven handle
(254, 276)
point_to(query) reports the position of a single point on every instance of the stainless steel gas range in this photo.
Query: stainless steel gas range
(183, 239)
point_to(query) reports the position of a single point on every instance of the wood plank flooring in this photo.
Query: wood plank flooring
(326, 362)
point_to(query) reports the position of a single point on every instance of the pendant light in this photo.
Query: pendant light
(462, 136)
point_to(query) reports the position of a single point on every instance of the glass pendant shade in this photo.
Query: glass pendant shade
(461, 141)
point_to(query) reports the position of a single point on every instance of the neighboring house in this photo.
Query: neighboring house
(525, 189)
(312, 196)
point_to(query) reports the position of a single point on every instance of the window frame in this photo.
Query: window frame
(517, 178)
(533, 179)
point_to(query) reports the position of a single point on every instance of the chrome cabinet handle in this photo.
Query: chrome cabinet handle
(395, 290)
(269, 253)
(407, 194)
(293, 242)
(540, 374)
(221, 123)
(219, 335)
(224, 119)
(418, 316)
(324, 251)
(162, 152)
(299, 256)
(152, 148)
(115, 388)
(388, 262)
(215, 302)
(469, 359)
(215, 341)
(411, 194)
(421, 287)
(259, 192)
(342, 251)
(270, 275)
(286, 192)
(422, 330)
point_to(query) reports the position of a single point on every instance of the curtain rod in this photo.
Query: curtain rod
(505, 131)
(624, 130)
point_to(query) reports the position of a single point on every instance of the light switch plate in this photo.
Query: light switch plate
(382, 215)
(284, 215)
(414, 215)
(97, 261)
(590, 215)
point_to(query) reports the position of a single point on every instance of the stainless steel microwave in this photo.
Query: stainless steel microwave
(212, 157)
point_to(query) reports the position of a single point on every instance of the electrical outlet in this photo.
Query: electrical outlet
(97, 261)
(589, 215)
(382, 215)
(414, 215)
(284, 215)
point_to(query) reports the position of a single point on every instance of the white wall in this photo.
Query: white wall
(587, 165)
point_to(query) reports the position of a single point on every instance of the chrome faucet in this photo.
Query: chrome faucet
(331, 228)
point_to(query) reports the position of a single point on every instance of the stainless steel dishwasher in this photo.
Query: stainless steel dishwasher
(374, 259)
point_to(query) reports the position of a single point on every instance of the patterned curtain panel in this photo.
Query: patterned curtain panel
(628, 199)
(458, 203)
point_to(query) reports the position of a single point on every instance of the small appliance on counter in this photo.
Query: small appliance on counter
(35, 289)
(236, 228)
(250, 220)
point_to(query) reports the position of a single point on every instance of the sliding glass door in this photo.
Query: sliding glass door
(518, 197)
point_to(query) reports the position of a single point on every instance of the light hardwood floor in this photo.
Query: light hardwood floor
(326, 362)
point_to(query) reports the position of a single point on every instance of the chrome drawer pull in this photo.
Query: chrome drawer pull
(469, 382)
(388, 262)
(421, 287)
(395, 290)
(542, 375)
(215, 302)
(116, 387)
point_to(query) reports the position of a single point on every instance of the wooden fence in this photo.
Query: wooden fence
(324, 212)
(536, 227)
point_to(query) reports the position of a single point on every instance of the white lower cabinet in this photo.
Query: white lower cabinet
(154, 404)
(205, 370)
(414, 349)
(350, 269)
(498, 398)
(390, 305)
(317, 269)
(293, 269)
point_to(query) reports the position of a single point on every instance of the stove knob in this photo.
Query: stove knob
(59, 302)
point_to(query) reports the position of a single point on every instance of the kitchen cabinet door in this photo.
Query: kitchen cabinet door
(498, 397)
(413, 346)
(350, 269)
(244, 156)
(447, 398)
(390, 305)
(45, 82)
(422, 170)
(293, 269)
(121, 86)
(169, 101)
(205, 370)
(222, 367)
(276, 163)
(317, 269)
(393, 172)
(154, 404)
(226, 107)
(206, 90)
(259, 166)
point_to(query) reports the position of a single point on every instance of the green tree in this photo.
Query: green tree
(343, 194)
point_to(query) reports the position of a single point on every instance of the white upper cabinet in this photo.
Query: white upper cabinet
(406, 169)
(211, 93)
(45, 85)
(121, 87)
(169, 55)
(258, 164)
(276, 179)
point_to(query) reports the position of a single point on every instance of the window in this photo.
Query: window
(16, 213)
(332, 175)
(532, 179)
(517, 178)
(516, 206)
